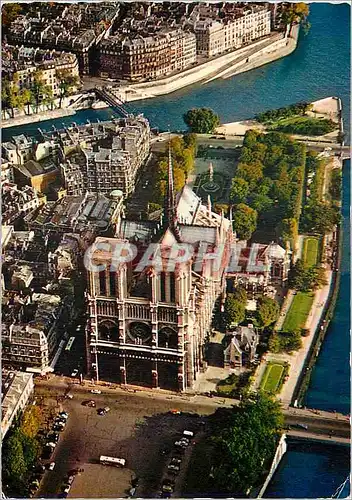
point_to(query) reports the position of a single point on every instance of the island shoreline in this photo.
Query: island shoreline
(279, 49)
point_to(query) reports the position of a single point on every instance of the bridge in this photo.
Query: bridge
(106, 95)
(317, 425)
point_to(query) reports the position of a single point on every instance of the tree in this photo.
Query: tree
(235, 307)
(251, 172)
(9, 12)
(285, 341)
(244, 442)
(30, 423)
(201, 120)
(190, 141)
(153, 207)
(261, 202)
(179, 179)
(239, 190)
(250, 138)
(67, 83)
(288, 231)
(305, 279)
(244, 221)
(30, 449)
(188, 161)
(291, 341)
(267, 312)
(320, 218)
(14, 464)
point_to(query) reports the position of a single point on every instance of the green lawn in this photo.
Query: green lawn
(298, 313)
(272, 377)
(310, 251)
(304, 125)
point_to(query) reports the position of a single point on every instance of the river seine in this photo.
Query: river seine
(320, 67)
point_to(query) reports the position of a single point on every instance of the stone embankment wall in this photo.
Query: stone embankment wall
(280, 451)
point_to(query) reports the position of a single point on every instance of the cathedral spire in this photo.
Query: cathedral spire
(170, 189)
(170, 202)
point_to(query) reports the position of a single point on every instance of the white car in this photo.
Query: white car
(74, 373)
(67, 489)
(95, 391)
(51, 466)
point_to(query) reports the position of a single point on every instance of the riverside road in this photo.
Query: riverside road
(323, 424)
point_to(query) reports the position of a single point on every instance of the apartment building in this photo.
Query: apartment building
(87, 215)
(236, 27)
(17, 388)
(19, 150)
(71, 27)
(105, 156)
(25, 62)
(31, 329)
(17, 202)
(139, 57)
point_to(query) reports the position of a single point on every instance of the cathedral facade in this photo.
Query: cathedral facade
(150, 315)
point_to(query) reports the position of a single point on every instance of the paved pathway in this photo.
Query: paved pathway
(286, 306)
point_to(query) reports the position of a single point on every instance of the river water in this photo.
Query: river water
(320, 67)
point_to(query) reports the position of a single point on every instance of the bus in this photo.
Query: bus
(116, 462)
(69, 344)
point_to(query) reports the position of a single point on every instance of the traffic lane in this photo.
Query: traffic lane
(88, 435)
(338, 428)
(75, 357)
(60, 385)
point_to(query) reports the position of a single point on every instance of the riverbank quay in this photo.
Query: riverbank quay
(22, 118)
(261, 58)
(213, 69)
(271, 48)
(321, 330)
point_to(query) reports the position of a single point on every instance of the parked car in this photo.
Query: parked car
(181, 444)
(175, 461)
(302, 426)
(69, 396)
(101, 411)
(53, 437)
(51, 466)
(95, 391)
(90, 403)
(175, 412)
(167, 488)
(63, 414)
(74, 373)
(174, 468)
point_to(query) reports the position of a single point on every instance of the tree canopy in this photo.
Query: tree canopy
(268, 311)
(201, 120)
(305, 278)
(244, 440)
(235, 307)
(244, 221)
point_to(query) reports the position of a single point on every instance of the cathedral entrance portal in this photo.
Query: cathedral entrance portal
(139, 372)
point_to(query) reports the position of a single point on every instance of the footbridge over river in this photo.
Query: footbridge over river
(317, 425)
